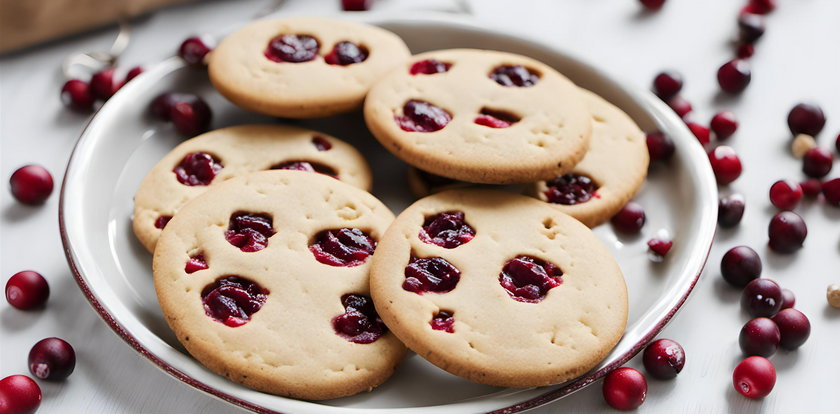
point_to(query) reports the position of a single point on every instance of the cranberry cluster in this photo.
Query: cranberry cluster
(188, 112)
(299, 48)
(626, 388)
(734, 76)
(81, 96)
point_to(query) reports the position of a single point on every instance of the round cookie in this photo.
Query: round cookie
(256, 290)
(462, 114)
(422, 183)
(239, 150)
(299, 76)
(610, 174)
(499, 288)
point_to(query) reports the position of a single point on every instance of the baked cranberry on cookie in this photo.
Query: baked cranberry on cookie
(303, 67)
(264, 280)
(480, 116)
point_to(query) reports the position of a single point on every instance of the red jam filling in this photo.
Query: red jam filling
(528, 279)
(249, 232)
(570, 189)
(197, 168)
(359, 323)
(421, 116)
(342, 247)
(432, 274)
(448, 230)
(232, 300)
(443, 321)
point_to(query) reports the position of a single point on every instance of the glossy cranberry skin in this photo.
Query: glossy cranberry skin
(191, 118)
(660, 247)
(292, 48)
(700, 132)
(27, 290)
(660, 146)
(346, 53)
(664, 359)
(788, 299)
(759, 336)
(759, 6)
(196, 263)
(761, 297)
(667, 84)
(162, 221)
(429, 67)
(806, 118)
(249, 231)
(630, 219)
(422, 116)
(102, 85)
(831, 191)
(193, 49)
(625, 389)
(19, 394)
(731, 210)
(734, 76)
(811, 187)
(52, 359)
(491, 121)
(443, 321)
(343, 247)
(750, 27)
(31, 184)
(837, 143)
(724, 124)
(359, 323)
(321, 143)
(652, 5)
(306, 166)
(161, 106)
(75, 94)
(356, 5)
(681, 106)
(785, 194)
(740, 265)
(528, 279)
(514, 75)
(197, 168)
(726, 164)
(817, 162)
(794, 328)
(232, 300)
(745, 50)
(787, 232)
(754, 377)
(134, 72)
(570, 189)
(448, 230)
(433, 274)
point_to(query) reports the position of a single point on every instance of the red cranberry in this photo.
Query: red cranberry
(321, 144)
(421, 116)
(667, 84)
(162, 221)
(356, 5)
(788, 298)
(443, 321)
(52, 359)
(734, 76)
(660, 247)
(811, 187)
(27, 290)
(652, 5)
(681, 106)
(496, 119)
(745, 50)
(754, 377)
(625, 389)
(700, 132)
(19, 394)
(725, 164)
(196, 263)
(359, 323)
(134, 72)
(102, 84)
(761, 297)
(787, 232)
(785, 194)
(448, 230)
(817, 162)
(292, 48)
(249, 232)
(429, 67)
(629, 219)
(197, 168)
(191, 118)
(346, 53)
(514, 75)
(831, 191)
(194, 49)
(750, 27)
(31, 184)
(433, 274)
(731, 210)
(837, 143)
(740, 265)
(75, 94)
(528, 279)
(232, 300)
(161, 106)
(306, 166)
(660, 146)
(794, 328)
(570, 189)
(664, 359)
(760, 336)
(342, 247)
(724, 124)
(759, 6)
(806, 118)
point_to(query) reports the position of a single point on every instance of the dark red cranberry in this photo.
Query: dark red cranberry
(52, 359)
(196, 263)
(660, 247)
(664, 359)
(191, 118)
(759, 336)
(443, 321)
(321, 143)
(754, 377)
(356, 5)
(652, 5)
(346, 53)
(19, 394)
(161, 106)
(27, 290)
(162, 221)
(787, 232)
(232, 300)
(740, 265)
(433, 274)
(700, 132)
(725, 164)
(342, 247)
(31, 184)
(811, 187)
(761, 297)
(785, 194)
(837, 143)
(724, 124)
(448, 230)
(528, 279)
(731, 210)
(788, 299)
(629, 219)
(734, 76)
(625, 389)
(667, 84)
(134, 72)
(102, 85)
(197, 168)
(514, 75)
(359, 323)
(429, 67)
(759, 6)
(794, 328)
(745, 50)
(750, 27)
(817, 162)
(570, 189)
(496, 119)
(194, 49)
(660, 146)
(806, 118)
(292, 48)
(421, 116)
(249, 231)
(831, 191)
(75, 94)
(680, 105)
(306, 166)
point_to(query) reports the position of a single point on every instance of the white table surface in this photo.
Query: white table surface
(797, 60)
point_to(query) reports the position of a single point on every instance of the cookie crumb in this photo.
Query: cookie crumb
(833, 295)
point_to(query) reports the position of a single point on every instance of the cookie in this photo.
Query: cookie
(610, 174)
(499, 288)
(480, 116)
(422, 183)
(211, 158)
(264, 280)
(303, 67)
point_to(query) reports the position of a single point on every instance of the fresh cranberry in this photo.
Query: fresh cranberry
(625, 389)
(448, 230)
(754, 377)
(724, 124)
(660, 146)
(31, 184)
(759, 336)
(785, 194)
(837, 143)
(831, 191)
(191, 118)
(496, 119)
(27, 290)
(745, 50)
(725, 164)
(759, 6)
(570, 189)
(652, 5)
(232, 300)
(292, 48)
(806, 118)
(75, 94)
(321, 143)
(197, 168)
(162, 221)
(761, 297)
(629, 219)
(680, 105)
(306, 166)
(787, 232)
(249, 232)
(102, 85)
(731, 210)
(52, 359)
(817, 162)
(750, 27)
(193, 49)
(664, 359)
(667, 84)
(433, 274)
(196, 263)
(811, 187)
(429, 67)
(421, 116)
(346, 53)
(359, 323)
(514, 75)
(134, 72)
(700, 132)
(740, 265)
(443, 321)
(528, 279)
(660, 247)
(734, 76)
(161, 106)
(356, 5)
(794, 328)
(788, 298)
(342, 247)
(19, 394)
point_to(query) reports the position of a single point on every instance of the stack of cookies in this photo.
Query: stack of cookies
(276, 268)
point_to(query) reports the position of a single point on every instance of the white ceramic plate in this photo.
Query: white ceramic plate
(123, 142)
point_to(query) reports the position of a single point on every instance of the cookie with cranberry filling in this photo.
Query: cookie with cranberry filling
(499, 288)
(211, 158)
(264, 280)
(480, 116)
(303, 67)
